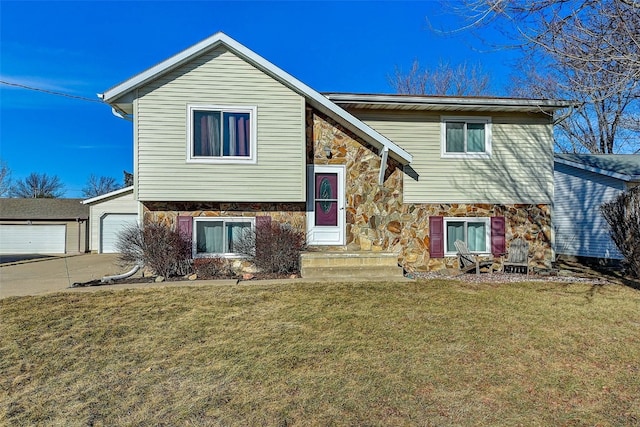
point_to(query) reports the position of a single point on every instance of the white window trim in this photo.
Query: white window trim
(467, 119)
(253, 115)
(225, 220)
(467, 219)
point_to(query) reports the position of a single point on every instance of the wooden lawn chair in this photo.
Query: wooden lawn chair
(517, 257)
(468, 261)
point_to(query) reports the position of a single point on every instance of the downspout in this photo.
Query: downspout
(117, 111)
(383, 164)
(109, 279)
(121, 114)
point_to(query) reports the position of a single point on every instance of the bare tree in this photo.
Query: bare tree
(39, 186)
(97, 186)
(623, 216)
(5, 179)
(599, 123)
(590, 51)
(128, 179)
(442, 80)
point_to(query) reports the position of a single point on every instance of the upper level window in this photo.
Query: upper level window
(466, 137)
(221, 134)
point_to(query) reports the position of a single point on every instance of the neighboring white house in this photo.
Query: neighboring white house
(109, 214)
(583, 182)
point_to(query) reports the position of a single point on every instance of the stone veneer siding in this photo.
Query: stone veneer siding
(167, 212)
(378, 220)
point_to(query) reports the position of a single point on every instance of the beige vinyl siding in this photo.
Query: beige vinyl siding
(219, 78)
(120, 204)
(520, 169)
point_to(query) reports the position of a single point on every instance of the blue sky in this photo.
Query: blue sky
(83, 48)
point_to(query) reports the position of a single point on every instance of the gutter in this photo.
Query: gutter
(119, 113)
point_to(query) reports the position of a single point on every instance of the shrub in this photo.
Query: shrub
(212, 268)
(273, 247)
(156, 246)
(623, 216)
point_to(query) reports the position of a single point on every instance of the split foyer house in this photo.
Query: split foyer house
(224, 141)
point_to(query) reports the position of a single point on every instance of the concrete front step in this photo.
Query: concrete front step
(350, 265)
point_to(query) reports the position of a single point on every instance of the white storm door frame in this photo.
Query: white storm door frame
(333, 233)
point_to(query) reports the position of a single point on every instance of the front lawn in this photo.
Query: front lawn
(422, 353)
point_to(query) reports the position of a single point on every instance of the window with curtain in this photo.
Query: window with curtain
(221, 133)
(219, 236)
(473, 231)
(466, 137)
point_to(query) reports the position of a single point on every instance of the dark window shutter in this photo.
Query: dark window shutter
(263, 222)
(436, 237)
(498, 242)
(185, 226)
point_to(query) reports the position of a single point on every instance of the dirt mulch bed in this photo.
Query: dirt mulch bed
(564, 270)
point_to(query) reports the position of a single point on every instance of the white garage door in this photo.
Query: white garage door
(111, 225)
(32, 239)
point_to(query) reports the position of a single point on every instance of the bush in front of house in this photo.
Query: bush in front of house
(156, 246)
(214, 268)
(273, 248)
(623, 216)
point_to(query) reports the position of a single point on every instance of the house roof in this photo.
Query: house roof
(121, 96)
(446, 103)
(43, 209)
(621, 166)
(102, 197)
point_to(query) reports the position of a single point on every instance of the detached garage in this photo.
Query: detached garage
(110, 214)
(43, 226)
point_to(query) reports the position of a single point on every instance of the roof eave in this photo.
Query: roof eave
(175, 61)
(600, 171)
(107, 195)
(379, 100)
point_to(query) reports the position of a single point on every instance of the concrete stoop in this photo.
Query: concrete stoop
(350, 265)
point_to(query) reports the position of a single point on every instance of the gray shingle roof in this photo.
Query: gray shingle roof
(43, 209)
(623, 164)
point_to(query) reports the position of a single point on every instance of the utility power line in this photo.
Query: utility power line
(50, 92)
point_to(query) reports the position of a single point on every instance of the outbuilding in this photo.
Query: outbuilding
(583, 182)
(110, 214)
(43, 226)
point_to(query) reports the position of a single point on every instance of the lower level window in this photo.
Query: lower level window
(220, 236)
(473, 231)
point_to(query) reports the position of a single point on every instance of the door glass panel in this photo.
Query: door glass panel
(326, 195)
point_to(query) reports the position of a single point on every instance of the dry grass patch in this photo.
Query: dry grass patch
(423, 353)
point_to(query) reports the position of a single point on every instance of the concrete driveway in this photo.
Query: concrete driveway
(51, 275)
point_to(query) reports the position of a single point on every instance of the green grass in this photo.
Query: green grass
(424, 353)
